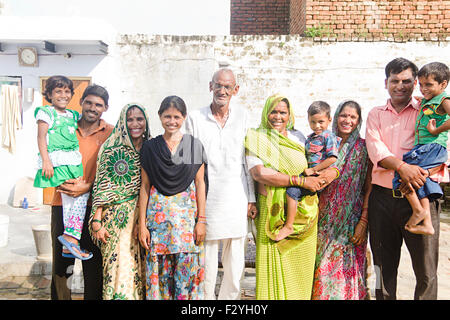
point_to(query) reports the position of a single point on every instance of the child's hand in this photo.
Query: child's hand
(47, 169)
(431, 127)
(309, 172)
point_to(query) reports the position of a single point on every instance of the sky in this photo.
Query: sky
(175, 17)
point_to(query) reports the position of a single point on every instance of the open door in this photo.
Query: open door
(79, 85)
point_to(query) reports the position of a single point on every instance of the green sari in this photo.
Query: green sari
(284, 269)
(116, 189)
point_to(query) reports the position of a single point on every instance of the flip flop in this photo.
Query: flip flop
(70, 246)
(69, 255)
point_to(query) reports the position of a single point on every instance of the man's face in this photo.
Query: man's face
(223, 87)
(92, 108)
(401, 86)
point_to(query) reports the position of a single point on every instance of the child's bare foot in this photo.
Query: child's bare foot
(75, 241)
(423, 227)
(284, 232)
(420, 229)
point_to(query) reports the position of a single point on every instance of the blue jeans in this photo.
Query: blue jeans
(425, 156)
(297, 193)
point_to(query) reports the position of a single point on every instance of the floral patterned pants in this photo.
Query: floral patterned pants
(177, 276)
(74, 211)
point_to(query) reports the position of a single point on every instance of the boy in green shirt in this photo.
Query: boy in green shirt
(430, 145)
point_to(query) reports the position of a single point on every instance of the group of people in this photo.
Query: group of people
(148, 216)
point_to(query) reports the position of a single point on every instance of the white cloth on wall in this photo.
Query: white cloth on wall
(11, 116)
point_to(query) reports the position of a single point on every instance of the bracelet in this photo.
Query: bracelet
(203, 221)
(98, 229)
(398, 168)
(202, 217)
(302, 183)
(364, 220)
(96, 220)
(294, 181)
(337, 171)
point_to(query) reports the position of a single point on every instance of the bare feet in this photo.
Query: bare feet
(420, 223)
(284, 232)
(75, 241)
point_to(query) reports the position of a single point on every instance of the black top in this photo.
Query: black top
(172, 174)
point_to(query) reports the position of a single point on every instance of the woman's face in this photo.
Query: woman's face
(348, 120)
(136, 123)
(171, 120)
(279, 117)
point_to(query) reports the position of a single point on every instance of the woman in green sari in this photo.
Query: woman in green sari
(275, 156)
(114, 206)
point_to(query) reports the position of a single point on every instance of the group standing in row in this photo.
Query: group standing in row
(161, 208)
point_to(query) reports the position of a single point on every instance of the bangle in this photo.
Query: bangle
(302, 183)
(398, 168)
(337, 171)
(98, 229)
(363, 219)
(202, 221)
(96, 220)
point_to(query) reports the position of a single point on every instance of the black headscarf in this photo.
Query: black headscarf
(172, 174)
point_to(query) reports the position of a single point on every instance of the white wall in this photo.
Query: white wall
(147, 68)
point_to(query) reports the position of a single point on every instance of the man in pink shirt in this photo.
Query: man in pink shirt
(390, 134)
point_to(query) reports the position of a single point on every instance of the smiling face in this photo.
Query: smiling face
(223, 87)
(60, 98)
(430, 88)
(279, 117)
(92, 108)
(400, 87)
(319, 122)
(171, 120)
(347, 121)
(136, 124)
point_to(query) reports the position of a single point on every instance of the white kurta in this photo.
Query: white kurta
(231, 187)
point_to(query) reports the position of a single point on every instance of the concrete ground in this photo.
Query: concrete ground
(23, 276)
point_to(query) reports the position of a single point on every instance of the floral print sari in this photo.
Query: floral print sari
(340, 265)
(116, 189)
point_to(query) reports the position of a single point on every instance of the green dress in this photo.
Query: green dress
(284, 269)
(62, 146)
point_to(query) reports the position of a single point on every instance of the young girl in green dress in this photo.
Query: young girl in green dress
(60, 159)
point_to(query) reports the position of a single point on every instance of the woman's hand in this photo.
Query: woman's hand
(199, 232)
(144, 236)
(101, 234)
(314, 184)
(360, 233)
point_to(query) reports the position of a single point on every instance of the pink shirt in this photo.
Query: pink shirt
(389, 133)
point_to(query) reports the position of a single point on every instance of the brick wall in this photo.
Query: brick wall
(411, 19)
(297, 14)
(259, 17)
(376, 20)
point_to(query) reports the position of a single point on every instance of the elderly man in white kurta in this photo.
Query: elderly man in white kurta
(221, 127)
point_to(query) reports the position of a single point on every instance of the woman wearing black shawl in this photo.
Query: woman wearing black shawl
(172, 223)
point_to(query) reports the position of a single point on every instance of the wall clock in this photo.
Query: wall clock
(28, 57)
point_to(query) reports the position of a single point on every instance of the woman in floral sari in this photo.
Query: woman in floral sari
(275, 157)
(341, 244)
(114, 206)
